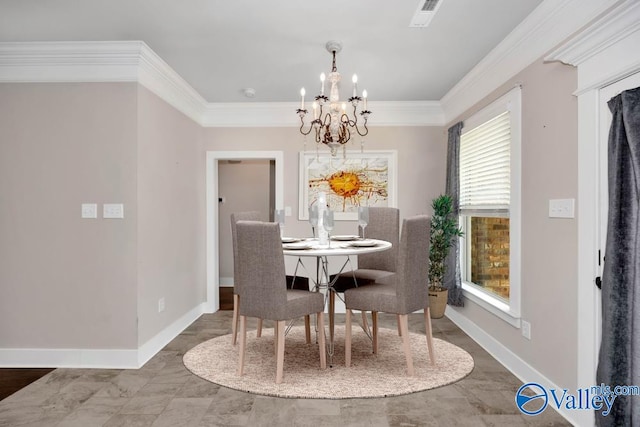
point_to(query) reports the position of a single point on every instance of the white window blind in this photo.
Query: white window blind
(485, 167)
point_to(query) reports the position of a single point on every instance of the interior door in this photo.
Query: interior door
(606, 94)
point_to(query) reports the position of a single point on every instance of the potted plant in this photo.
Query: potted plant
(443, 230)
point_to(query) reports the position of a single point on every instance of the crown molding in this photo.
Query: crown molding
(157, 76)
(596, 49)
(134, 61)
(119, 61)
(283, 114)
(551, 23)
(69, 61)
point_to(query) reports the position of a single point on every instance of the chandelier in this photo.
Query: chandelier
(331, 123)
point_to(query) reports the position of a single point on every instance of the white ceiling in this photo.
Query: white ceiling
(277, 46)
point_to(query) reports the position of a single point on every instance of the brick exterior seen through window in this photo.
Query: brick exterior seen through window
(490, 254)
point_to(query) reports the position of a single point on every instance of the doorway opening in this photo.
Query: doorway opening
(225, 193)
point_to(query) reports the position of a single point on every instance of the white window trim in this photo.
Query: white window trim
(509, 312)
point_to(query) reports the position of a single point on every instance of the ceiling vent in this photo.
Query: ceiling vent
(424, 13)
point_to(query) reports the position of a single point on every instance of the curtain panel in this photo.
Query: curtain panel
(619, 358)
(452, 274)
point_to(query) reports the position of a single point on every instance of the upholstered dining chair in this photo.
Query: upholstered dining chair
(235, 217)
(402, 293)
(292, 282)
(263, 293)
(384, 224)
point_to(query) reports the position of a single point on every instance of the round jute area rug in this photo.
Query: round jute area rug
(370, 375)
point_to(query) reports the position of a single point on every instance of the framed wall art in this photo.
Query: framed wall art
(366, 178)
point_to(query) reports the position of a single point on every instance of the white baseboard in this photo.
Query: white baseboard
(518, 367)
(147, 350)
(97, 358)
(226, 282)
(68, 358)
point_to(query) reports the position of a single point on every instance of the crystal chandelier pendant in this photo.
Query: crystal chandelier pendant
(331, 121)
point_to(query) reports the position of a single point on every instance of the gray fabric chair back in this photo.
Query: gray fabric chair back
(235, 217)
(412, 277)
(384, 224)
(261, 270)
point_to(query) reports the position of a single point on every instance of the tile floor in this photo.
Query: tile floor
(164, 393)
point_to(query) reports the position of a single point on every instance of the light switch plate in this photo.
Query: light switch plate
(113, 210)
(89, 210)
(287, 211)
(562, 208)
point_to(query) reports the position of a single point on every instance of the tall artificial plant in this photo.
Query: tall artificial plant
(443, 230)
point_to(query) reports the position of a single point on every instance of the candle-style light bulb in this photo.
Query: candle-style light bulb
(302, 92)
(354, 79)
(344, 107)
(364, 95)
(315, 110)
(322, 77)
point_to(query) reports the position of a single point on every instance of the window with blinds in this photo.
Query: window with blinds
(490, 206)
(485, 161)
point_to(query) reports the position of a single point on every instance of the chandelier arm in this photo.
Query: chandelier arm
(366, 129)
(318, 140)
(302, 123)
(327, 135)
(327, 120)
(348, 135)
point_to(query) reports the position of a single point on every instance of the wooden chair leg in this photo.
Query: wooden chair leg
(234, 320)
(307, 328)
(398, 321)
(429, 334)
(275, 339)
(321, 341)
(404, 327)
(259, 328)
(347, 339)
(280, 355)
(365, 322)
(374, 334)
(243, 344)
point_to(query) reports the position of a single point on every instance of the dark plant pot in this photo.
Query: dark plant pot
(438, 303)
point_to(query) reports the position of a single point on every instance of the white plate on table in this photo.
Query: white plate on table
(297, 245)
(345, 238)
(290, 239)
(363, 243)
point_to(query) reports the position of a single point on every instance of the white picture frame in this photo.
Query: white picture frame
(366, 178)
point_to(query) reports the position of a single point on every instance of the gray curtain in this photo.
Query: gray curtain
(619, 359)
(452, 274)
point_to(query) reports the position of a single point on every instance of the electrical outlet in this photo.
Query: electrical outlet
(161, 305)
(287, 211)
(526, 329)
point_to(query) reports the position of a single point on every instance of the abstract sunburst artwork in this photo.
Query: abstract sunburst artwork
(360, 179)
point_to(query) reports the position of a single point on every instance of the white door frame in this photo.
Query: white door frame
(213, 275)
(604, 53)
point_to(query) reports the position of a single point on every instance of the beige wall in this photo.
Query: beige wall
(245, 187)
(421, 153)
(421, 163)
(67, 282)
(72, 283)
(171, 215)
(549, 245)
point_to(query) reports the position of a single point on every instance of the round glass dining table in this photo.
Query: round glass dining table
(338, 246)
